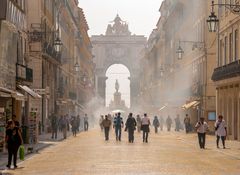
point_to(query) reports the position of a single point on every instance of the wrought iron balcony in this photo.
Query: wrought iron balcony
(49, 50)
(227, 71)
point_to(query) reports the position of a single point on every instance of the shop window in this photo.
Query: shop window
(211, 116)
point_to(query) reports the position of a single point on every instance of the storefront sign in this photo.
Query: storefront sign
(24, 73)
(21, 72)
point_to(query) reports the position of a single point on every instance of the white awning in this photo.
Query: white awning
(19, 96)
(30, 91)
(190, 104)
(4, 92)
(162, 108)
(5, 95)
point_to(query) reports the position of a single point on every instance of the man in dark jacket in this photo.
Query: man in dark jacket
(106, 123)
(54, 124)
(130, 127)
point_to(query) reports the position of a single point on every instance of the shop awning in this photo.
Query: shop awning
(30, 91)
(162, 108)
(5, 95)
(4, 92)
(19, 96)
(190, 104)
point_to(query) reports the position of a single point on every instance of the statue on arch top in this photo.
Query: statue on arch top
(119, 27)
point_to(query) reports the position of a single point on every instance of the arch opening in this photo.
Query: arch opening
(121, 74)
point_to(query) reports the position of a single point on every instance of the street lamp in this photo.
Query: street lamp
(161, 70)
(180, 52)
(58, 44)
(196, 44)
(212, 20)
(77, 67)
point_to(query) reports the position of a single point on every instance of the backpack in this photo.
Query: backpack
(118, 121)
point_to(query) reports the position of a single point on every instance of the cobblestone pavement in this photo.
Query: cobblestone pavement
(167, 153)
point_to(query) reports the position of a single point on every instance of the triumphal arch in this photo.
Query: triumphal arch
(118, 46)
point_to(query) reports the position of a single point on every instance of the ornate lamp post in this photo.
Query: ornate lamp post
(196, 44)
(212, 20)
(180, 52)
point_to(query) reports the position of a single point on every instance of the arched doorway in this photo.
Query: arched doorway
(121, 74)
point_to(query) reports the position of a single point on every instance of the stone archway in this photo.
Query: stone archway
(118, 46)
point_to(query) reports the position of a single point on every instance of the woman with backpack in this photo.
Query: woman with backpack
(13, 140)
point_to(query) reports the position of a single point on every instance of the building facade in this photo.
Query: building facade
(56, 72)
(44, 43)
(226, 74)
(15, 71)
(181, 85)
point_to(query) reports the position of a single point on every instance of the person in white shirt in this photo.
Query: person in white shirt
(202, 128)
(145, 127)
(221, 130)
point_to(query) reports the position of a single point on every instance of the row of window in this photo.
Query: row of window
(228, 48)
(20, 4)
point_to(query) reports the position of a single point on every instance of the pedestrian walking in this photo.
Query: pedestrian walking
(16, 122)
(14, 140)
(187, 123)
(139, 121)
(64, 126)
(54, 125)
(156, 124)
(177, 123)
(145, 127)
(118, 125)
(101, 122)
(202, 128)
(106, 124)
(161, 122)
(130, 127)
(78, 123)
(74, 125)
(169, 123)
(221, 130)
(86, 124)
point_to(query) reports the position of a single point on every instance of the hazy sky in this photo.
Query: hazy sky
(142, 15)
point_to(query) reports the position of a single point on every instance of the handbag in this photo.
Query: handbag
(21, 152)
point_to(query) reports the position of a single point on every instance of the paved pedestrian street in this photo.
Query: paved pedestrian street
(167, 153)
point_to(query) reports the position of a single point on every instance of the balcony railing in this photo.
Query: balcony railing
(227, 71)
(49, 50)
